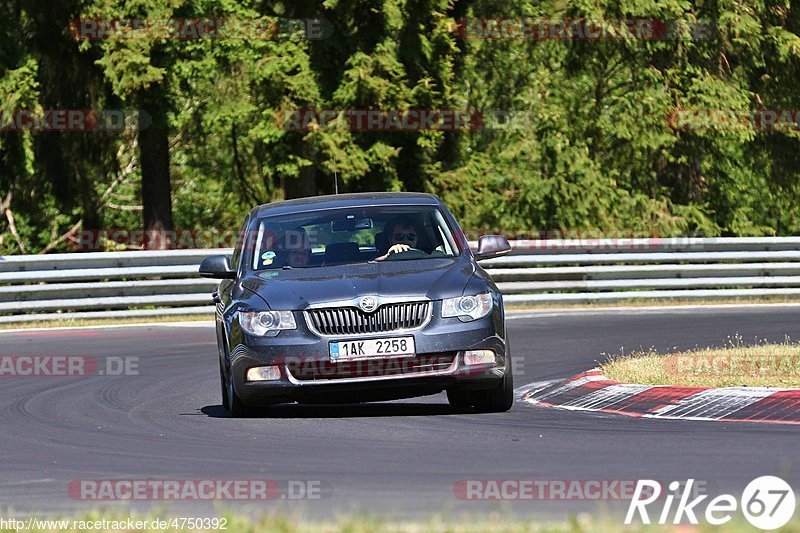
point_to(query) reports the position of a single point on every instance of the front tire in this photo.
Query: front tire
(230, 400)
(236, 407)
(224, 387)
(459, 399)
(498, 399)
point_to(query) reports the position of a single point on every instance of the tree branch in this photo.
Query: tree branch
(121, 177)
(237, 166)
(129, 168)
(70, 234)
(6, 207)
(124, 207)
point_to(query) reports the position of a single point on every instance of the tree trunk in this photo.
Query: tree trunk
(305, 184)
(156, 187)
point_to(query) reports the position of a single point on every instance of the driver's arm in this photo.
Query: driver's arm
(394, 249)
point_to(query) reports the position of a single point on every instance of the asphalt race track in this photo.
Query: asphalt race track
(397, 458)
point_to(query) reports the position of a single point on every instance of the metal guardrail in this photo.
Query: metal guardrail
(141, 284)
(104, 284)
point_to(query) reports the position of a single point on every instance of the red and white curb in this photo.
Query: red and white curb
(592, 391)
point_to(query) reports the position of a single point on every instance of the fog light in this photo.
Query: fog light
(479, 357)
(264, 373)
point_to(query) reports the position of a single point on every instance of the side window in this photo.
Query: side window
(237, 251)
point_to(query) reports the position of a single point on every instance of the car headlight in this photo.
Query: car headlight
(467, 308)
(266, 323)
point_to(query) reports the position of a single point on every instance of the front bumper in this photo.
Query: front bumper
(308, 375)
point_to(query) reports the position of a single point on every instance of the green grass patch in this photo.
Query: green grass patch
(83, 322)
(736, 364)
(276, 523)
(655, 302)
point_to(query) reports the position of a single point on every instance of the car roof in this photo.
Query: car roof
(333, 201)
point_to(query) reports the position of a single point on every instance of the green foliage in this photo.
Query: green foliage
(593, 144)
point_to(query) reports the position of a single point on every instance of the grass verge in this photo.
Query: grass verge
(83, 322)
(656, 302)
(734, 365)
(98, 521)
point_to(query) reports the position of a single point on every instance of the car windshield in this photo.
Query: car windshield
(351, 236)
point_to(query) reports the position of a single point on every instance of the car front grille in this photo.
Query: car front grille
(372, 368)
(353, 321)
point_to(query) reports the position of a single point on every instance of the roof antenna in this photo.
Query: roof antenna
(335, 176)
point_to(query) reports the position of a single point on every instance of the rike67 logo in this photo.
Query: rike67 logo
(768, 502)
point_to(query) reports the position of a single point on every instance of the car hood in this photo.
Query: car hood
(296, 289)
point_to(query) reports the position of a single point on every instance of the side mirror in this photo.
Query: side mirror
(218, 267)
(490, 246)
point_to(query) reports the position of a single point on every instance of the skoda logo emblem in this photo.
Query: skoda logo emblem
(368, 304)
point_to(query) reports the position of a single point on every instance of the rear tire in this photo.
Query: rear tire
(496, 400)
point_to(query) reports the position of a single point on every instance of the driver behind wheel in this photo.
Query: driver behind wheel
(401, 234)
(293, 249)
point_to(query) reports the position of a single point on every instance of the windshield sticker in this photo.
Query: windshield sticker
(267, 258)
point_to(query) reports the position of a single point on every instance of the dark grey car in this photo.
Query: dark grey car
(359, 297)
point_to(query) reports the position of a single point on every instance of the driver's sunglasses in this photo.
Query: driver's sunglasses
(405, 236)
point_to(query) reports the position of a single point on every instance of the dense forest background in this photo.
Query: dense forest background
(603, 145)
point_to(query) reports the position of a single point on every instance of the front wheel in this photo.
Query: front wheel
(498, 399)
(459, 399)
(230, 400)
(236, 407)
(224, 387)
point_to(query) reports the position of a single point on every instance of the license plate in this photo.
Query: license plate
(371, 348)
